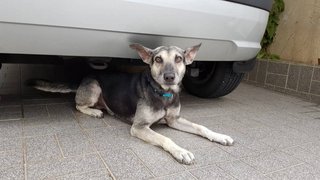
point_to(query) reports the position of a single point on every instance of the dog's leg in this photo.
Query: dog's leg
(148, 135)
(187, 126)
(175, 121)
(87, 96)
(145, 116)
(90, 111)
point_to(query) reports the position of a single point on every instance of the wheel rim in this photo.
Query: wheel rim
(206, 70)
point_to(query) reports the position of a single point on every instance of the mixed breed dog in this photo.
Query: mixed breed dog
(142, 98)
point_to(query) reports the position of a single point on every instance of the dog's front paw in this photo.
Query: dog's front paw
(225, 140)
(221, 138)
(96, 113)
(183, 156)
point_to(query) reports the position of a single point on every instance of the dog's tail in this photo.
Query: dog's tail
(45, 85)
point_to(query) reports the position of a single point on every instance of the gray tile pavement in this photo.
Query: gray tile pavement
(276, 137)
(211, 172)
(241, 170)
(63, 166)
(42, 148)
(101, 174)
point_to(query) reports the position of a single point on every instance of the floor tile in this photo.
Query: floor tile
(211, 172)
(239, 151)
(112, 138)
(61, 110)
(10, 112)
(10, 129)
(7, 144)
(15, 173)
(271, 161)
(50, 126)
(302, 172)
(35, 111)
(210, 155)
(241, 170)
(74, 144)
(179, 176)
(303, 155)
(65, 166)
(42, 148)
(11, 159)
(124, 164)
(92, 175)
(157, 160)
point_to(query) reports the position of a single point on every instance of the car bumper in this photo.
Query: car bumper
(228, 31)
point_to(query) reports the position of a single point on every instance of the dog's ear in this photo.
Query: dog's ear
(145, 53)
(190, 53)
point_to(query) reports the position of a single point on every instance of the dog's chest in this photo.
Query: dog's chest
(162, 103)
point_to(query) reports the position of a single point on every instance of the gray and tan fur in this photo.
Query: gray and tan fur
(139, 97)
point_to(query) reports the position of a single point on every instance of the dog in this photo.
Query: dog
(143, 98)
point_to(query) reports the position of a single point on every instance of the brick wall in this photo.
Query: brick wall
(295, 79)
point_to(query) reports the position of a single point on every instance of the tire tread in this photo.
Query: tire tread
(224, 82)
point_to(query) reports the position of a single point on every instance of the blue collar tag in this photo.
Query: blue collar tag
(167, 95)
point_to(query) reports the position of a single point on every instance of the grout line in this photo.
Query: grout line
(22, 111)
(253, 166)
(314, 94)
(104, 122)
(59, 158)
(302, 160)
(25, 159)
(80, 155)
(96, 149)
(284, 168)
(142, 162)
(311, 80)
(24, 147)
(285, 85)
(107, 167)
(273, 86)
(256, 78)
(277, 74)
(176, 173)
(60, 176)
(298, 82)
(265, 79)
(191, 174)
(59, 145)
(227, 172)
(17, 119)
(47, 111)
(46, 103)
(213, 164)
(20, 84)
(20, 88)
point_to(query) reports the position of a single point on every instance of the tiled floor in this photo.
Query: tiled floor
(277, 137)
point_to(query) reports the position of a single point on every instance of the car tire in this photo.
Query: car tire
(213, 79)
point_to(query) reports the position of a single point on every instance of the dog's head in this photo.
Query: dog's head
(167, 64)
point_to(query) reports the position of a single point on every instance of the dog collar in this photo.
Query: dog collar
(157, 89)
(167, 95)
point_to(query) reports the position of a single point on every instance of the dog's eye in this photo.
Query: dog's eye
(158, 59)
(178, 59)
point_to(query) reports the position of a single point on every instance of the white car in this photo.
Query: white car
(230, 33)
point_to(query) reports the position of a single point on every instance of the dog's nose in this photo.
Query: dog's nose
(169, 77)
